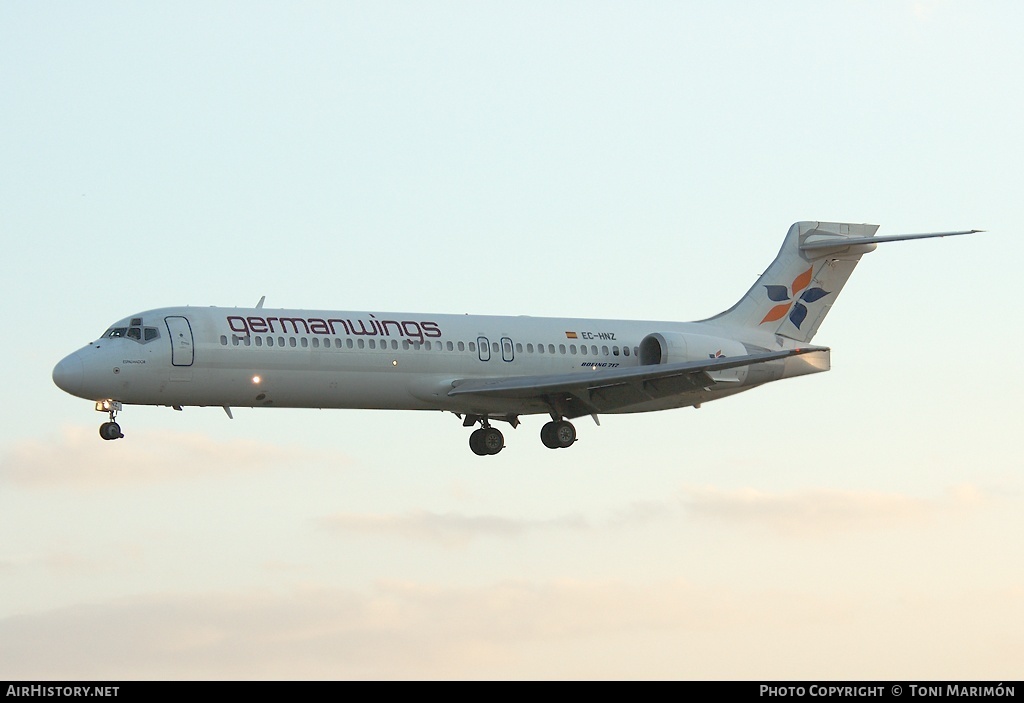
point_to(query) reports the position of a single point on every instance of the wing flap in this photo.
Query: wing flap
(603, 390)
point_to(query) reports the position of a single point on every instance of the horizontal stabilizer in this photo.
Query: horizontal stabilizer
(831, 241)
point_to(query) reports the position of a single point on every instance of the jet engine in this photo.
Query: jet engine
(674, 347)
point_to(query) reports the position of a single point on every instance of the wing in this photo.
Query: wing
(606, 390)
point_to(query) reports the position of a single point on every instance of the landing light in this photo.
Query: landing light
(394, 362)
(256, 380)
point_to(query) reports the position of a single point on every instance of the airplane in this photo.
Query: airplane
(481, 368)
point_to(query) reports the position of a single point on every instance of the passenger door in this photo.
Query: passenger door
(182, 346)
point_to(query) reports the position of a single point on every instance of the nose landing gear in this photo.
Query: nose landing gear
(109, 430)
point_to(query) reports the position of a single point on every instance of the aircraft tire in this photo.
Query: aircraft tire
(493, 441)
(564, 434)
(547, 435)
(476, 442)
(110, 430)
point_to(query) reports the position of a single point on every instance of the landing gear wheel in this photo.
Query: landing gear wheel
(565, 434)
(476, 442)
(493, 440)
(547, 435)
(486, 441)
(558, 435)
(110, 430)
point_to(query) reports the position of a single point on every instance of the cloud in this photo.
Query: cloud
(393, 630)
(517, 629)
(806, 513)
(818, 511)
(79, 458)
(642, 513)
(450, 529)
(456, 529)
(63, 563)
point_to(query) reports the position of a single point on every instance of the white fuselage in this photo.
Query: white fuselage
(257, 357)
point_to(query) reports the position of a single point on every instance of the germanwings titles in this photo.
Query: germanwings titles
(481, 368)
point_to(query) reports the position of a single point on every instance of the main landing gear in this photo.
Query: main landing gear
(558, 434)
(486, 440)
(110, 430)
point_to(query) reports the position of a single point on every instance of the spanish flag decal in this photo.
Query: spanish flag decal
(570, 335)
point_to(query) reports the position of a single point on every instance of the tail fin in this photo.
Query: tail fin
(792, 297)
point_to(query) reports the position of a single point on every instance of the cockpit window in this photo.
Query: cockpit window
(142, 335)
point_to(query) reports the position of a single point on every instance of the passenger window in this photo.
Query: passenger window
(327, 342)
(373, 343)
(259, 341)
(462, 346)
(450, 346)
(270, 341)
(593, 349)
(615, 351)
(583, 349)
(495, 347)
(361, 343)
(234, 340)
(405, 344)
(280, 341)
(316, 342)
(224, 340)
(529, 348)
(247, 339)
(561, 348)
(472, 346)
(305, 342)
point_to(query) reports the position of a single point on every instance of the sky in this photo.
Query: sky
(591, 159)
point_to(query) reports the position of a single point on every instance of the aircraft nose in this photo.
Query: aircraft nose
(68, 374)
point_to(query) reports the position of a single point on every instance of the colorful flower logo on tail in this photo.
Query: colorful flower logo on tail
(788, 303)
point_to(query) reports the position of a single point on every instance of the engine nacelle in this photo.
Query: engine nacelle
(674, 347)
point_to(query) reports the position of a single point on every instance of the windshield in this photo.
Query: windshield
(135, 331)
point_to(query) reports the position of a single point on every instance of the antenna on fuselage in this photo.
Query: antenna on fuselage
(260, 304)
